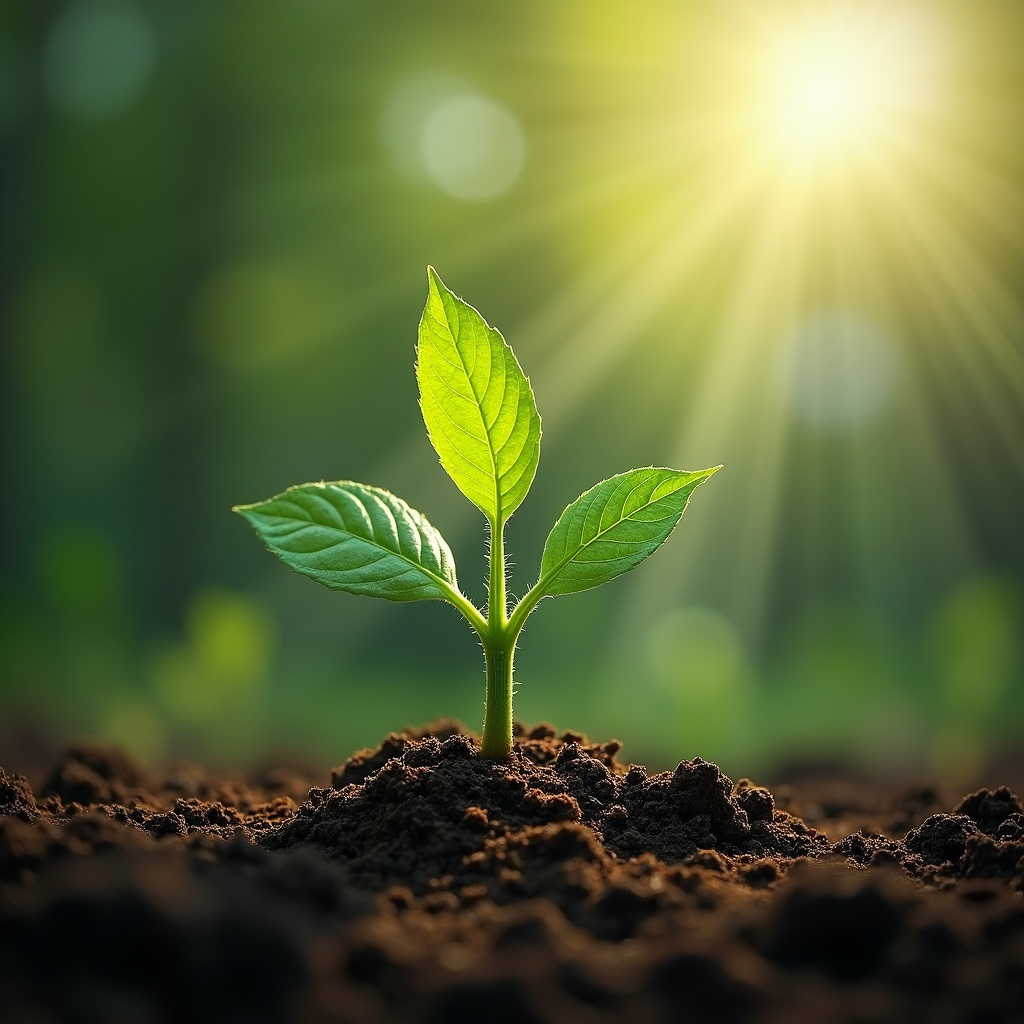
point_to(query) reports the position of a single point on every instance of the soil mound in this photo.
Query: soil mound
(426, 884)
(433, 816)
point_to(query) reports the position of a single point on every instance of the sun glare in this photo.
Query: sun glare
(822, 104)
(830, 86)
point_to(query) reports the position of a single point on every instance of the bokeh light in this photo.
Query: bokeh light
(99, 57)
(838, 371)
(473, 148)
(437, 127)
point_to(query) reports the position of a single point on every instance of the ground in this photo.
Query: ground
(426, 884)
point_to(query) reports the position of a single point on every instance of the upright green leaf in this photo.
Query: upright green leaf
(477, 404)
(352, 537)
(613, 527)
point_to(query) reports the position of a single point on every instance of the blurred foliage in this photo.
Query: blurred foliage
(216, 216)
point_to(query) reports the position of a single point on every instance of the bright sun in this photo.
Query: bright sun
(829, 86)
(823, 103)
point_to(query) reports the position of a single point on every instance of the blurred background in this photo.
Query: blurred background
(783, 236)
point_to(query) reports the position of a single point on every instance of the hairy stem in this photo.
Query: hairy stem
(499, 649)
(497, 741)
(497, 612)
(522, 610)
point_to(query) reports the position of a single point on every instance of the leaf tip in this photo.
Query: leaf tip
(245, 511)
(434, 282)
(704, 475)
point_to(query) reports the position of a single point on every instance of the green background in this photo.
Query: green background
(216, 220)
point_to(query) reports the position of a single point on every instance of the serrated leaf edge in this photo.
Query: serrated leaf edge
(452, 594)
(563, 562)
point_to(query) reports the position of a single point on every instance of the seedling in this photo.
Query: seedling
(482, 419)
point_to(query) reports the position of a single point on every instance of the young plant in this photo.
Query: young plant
(480, 413)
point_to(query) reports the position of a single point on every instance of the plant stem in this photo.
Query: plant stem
(497, 617)
(499, 649)
(497, 742)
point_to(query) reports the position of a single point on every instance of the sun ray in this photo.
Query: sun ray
(934, 525)
(731, 395)
(957, 284)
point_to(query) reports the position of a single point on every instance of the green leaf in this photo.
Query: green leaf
(362, 539)
(477, 404)
(613, 527)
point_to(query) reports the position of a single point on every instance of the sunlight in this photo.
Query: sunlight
(824, 102)
(833, 84)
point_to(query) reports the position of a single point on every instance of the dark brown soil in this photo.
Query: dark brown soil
(426, 884)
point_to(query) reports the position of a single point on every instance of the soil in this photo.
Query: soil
(425, 884)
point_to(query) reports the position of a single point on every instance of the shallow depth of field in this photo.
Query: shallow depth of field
(785, 237)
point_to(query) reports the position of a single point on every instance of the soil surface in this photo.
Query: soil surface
(426, 884)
